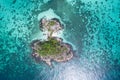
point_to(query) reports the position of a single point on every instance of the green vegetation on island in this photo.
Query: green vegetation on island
(52, 47)
(51, 23)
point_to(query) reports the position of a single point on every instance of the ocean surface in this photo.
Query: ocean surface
(92, 27)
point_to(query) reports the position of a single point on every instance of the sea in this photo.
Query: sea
(92, 27)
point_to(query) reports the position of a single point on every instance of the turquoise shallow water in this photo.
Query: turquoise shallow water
(92, 26)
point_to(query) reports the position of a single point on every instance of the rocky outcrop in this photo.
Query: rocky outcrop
(51, 26)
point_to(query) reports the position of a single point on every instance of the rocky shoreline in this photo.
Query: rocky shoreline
(59, 58)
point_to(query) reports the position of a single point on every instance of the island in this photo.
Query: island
(53, 48)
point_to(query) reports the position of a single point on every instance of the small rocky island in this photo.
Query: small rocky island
(53, 48)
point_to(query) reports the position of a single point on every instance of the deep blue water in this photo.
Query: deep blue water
(92, 26)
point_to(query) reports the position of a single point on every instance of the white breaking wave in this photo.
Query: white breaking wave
(49, 14)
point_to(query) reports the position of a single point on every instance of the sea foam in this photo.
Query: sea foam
(49, 14)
